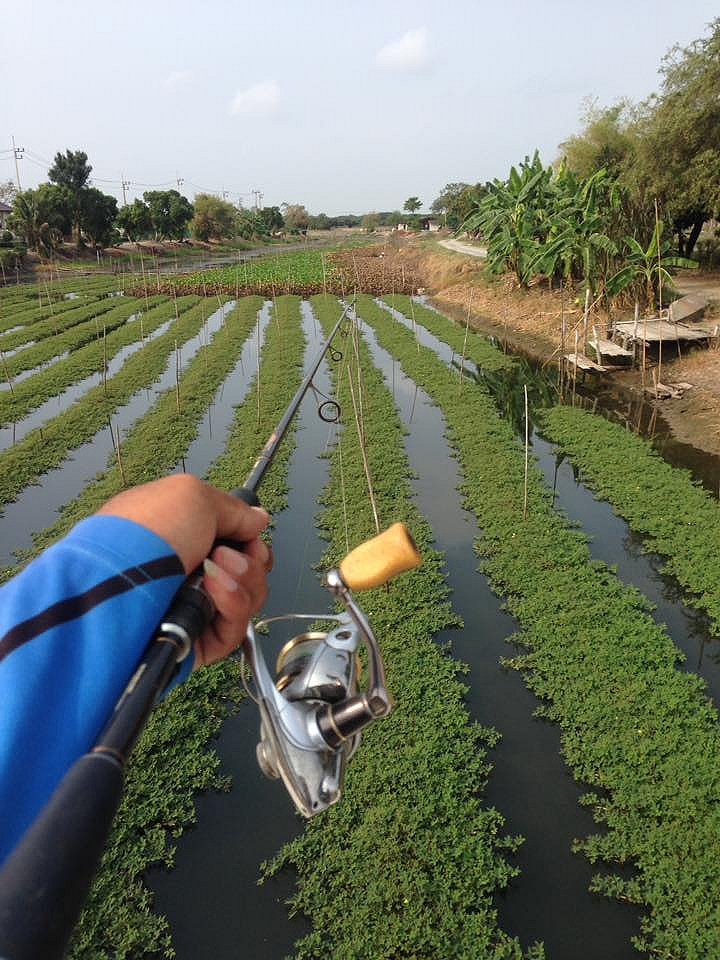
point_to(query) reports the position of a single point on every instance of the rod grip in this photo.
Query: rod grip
(45, 881)
(378, 560)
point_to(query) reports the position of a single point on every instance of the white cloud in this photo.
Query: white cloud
(177, 79)
(408, 53)
(259, 98)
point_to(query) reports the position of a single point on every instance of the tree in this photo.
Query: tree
(412, 204)
(170, 213)
(72, 171)
(214, 218)
(677, 154)
(456, 202)
(296, 217)
(8, 191)
(605, 143)
(320, 222)
(98, 213)
(271, 219)
(42, 216)
(135, 221)
(370, 222)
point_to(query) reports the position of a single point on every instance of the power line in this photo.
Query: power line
(123, 184)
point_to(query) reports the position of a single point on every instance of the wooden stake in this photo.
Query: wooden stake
(527, 452)
(116, 447)
(177, 377)
(585, 320)
(7, 371)
(105, 367)
(467, 327)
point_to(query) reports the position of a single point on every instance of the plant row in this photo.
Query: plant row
(28, 313)
(173, 760)
(29, 394)
(640, 733)
(408, 863)
(677, 518)
(54, 325)
(41, 450)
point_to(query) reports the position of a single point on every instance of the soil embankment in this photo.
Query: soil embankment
(531, 321)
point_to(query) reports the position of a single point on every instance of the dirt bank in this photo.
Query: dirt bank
(531, 321)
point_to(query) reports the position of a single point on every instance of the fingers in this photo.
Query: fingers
(189, 515)
(237, 583)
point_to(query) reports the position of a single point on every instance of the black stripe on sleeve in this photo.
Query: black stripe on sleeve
(73, 607)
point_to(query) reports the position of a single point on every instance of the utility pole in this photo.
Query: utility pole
(125, 184)
(180, 181)
(18, 154)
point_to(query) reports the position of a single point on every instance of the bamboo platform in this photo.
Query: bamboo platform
(657, 331)
(613, 353)
(583, 363)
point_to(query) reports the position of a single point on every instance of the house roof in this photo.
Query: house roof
(4, 208)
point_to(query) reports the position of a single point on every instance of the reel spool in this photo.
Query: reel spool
(313, 713)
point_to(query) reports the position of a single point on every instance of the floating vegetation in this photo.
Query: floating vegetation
(411, 799)
(678, 519)
(641, 734)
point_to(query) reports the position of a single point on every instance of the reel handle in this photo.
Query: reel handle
(380, 559)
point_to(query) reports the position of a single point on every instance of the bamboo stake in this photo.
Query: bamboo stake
(177, 377)
(657, 233)
(116, 447)
(527, 452)
(105, 360)
(465, 340)
(585, 320)
(7, 371)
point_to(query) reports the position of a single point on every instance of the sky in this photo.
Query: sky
(345, 107)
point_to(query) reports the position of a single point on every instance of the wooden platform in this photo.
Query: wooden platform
(581, 362)
(612, 352)
(657, 331)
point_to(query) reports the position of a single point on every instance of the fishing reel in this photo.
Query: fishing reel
(313, 713)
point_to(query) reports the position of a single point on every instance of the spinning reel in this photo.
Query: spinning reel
(313, 714)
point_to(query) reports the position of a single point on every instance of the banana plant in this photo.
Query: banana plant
(648, 268)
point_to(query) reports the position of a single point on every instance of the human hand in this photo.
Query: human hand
(191, 515)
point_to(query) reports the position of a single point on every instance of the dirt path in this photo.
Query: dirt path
(467, 248)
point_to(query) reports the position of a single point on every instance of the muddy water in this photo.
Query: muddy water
(41, 502)
(228, 915)
(529, 783)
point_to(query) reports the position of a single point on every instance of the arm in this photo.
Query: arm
(74, 624)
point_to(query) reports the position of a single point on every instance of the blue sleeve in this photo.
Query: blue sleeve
(73, 626)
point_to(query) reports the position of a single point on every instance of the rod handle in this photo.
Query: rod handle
(378, 560)
(45, 881)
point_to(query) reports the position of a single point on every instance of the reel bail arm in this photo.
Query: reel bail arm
(313, 713)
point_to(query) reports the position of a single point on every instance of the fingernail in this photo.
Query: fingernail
(217, 573)
(235, 561)
(263, 513)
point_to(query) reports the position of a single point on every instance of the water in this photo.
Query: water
(529, 782)
(41, 501)
(220, 858)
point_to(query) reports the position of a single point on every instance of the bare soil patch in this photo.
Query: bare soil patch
(531, 322)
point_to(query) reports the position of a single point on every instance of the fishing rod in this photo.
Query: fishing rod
(311, 719)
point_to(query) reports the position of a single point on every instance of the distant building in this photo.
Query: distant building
(5, 212)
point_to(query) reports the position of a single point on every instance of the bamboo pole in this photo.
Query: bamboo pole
(527, 452)
(177, 377)
(585, 320)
